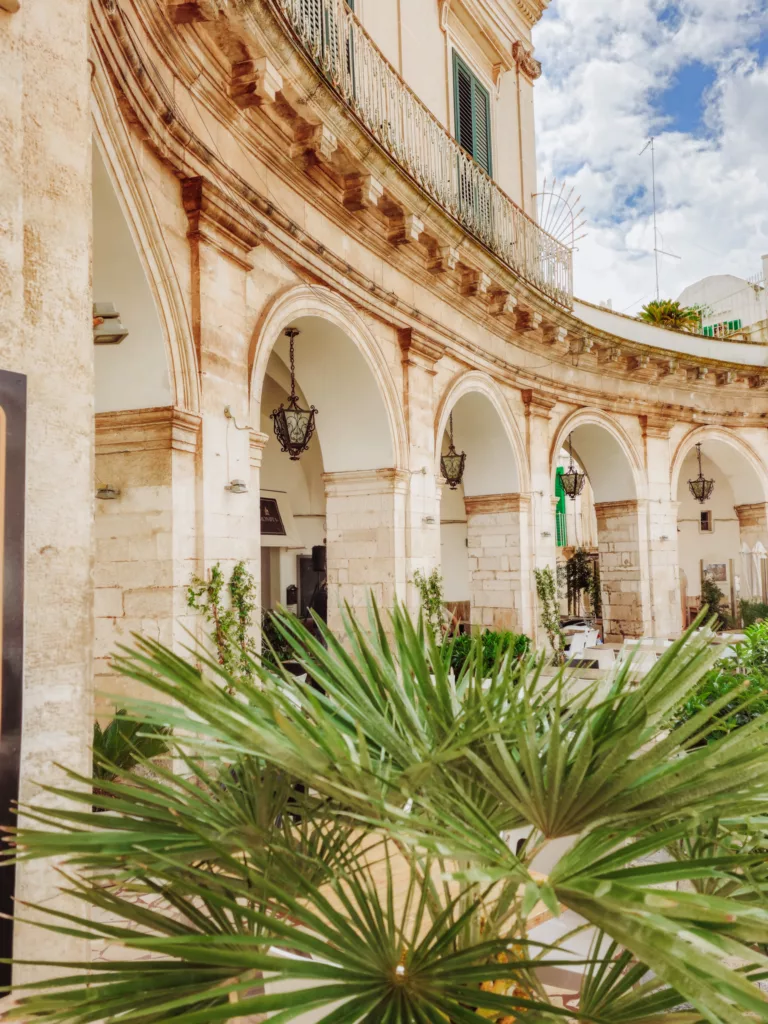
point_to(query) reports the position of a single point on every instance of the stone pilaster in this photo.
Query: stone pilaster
(753, 523)
(46, 332)
(366, 521)
(621, 537)
(498, 531)
(145, 537)
(662, 570)
(222, 235)
(538, 425)
(422, 538)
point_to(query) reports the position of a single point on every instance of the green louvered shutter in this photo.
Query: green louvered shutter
(560, 513)
(472, 106)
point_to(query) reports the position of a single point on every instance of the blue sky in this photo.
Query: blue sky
(695, 75)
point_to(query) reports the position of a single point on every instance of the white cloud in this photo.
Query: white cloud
(607, 64)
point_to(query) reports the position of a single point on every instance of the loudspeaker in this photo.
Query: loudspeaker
(318, 558)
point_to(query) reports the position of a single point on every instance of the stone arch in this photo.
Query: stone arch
(139, 211)
(729, 531)
(618, 495)
(486, 522)
(303, 301)
(479, 383)
(616, 443)
(723, 437)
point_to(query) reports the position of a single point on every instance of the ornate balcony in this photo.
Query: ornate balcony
(382, 102)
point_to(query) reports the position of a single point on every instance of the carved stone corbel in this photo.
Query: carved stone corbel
(362, 192)
(218, 220)
(526, 62)
(503, 304)
(527, 320)
(444, 9)
(408, 229)
(255, 82)
(476, 283)
(555, 335)
(582, 346)
(446, 258)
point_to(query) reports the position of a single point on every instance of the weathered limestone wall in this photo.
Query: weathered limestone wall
(365, 513)
(620, 545)
(497, 534)
(146, 538)
(46, 333)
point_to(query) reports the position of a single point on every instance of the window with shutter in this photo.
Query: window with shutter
(312, 16)
(472, 106)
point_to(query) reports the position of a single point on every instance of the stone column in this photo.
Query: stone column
(543, 551)
(46, 332)
(222, 236)
(498, 529)
(621, 537)
(366, 519)
(145, 537)
(663, 568)
(422, 537)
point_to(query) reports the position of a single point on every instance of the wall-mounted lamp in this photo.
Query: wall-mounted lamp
(237, 487)
(546, 533)
(107, 327)
(429, 520)
(107, 493)
(664, 538)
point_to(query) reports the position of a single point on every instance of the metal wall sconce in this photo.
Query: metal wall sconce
(108, 493)
(237, 487)
(107, 328)
(701, 488)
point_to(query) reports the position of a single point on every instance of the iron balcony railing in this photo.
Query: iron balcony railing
(358, 71)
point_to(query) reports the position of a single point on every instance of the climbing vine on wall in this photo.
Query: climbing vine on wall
(228, 608)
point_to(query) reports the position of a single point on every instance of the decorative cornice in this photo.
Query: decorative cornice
(657, 426)
(145, 430)
(611, 509)
(755, 515)
(366, 481)
(525, 61)
(418, 350)
(257, 443)
(496, 504)
(538, 403)
(217, 218)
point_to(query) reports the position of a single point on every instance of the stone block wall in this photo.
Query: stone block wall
(618, 535)
(497, 537)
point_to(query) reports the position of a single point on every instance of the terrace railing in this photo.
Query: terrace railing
(358, 71)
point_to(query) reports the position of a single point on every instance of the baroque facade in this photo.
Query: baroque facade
(238, 169)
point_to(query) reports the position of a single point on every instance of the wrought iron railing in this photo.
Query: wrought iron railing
(358, 71)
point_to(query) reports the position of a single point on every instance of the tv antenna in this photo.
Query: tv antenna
(651, 144)
(558, 213)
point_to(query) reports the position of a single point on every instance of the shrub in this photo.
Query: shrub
(753, 612)
(123, 744)
(494, 646)
(745, 676)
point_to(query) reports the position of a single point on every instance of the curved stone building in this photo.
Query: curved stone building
(238, 177)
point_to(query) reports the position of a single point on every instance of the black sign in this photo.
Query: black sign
(13, 425)
(271, 520)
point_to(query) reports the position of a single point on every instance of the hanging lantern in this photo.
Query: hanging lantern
(294, 426)
(573, 482)
(452, 463)
(701, 488)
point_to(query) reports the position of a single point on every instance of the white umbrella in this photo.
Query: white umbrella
(759, 555)
(747, 573)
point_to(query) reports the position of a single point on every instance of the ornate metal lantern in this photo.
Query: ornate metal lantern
(452, 463)
(701, 488)
(573, 482)
(294, 426)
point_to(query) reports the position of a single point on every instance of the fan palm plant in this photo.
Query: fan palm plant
(374, 849)
(673, 316)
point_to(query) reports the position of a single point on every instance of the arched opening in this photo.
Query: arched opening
(722, 540)
(138, 552)
(602, 526)
(340, 507)
(485, 520)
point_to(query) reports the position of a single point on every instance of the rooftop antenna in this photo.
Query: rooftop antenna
(651, 144)
(559, 213)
